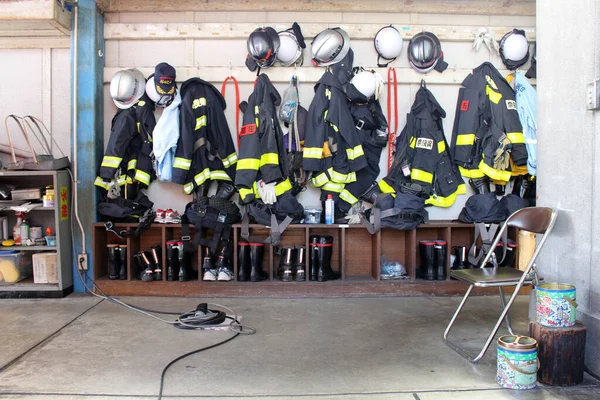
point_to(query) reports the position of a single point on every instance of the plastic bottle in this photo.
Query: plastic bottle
(24, 232)
(329, 210)
(17, 228)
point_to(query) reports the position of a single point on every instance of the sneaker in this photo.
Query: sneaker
(210, 275)
(160, 216)
(172, 217)
(225, 274)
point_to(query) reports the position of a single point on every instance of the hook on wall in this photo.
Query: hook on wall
(423, 83)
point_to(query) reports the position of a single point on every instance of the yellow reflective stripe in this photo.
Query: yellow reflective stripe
(420, 175)
(131, 164)
(462, 189)
(230, 160)
(325, 115)
(498, 175)
(443, 201)
(441, 147)
(518, 170)
(256, 112)
(333, 187)
(123, 179)
(269, 158)
(182, 163)
(313, 152)
(248, 163)
(341, 178)
(385, 187)
(335, 128)
(283, 187)
(188, 187)
(471, 173)
(100, 182)
(328, 93)
(320, 179)
(142, 177)
(138, 126)
(413, 141)
(515, 137)
(348, 197)
(245, 193)
(465, 139)
(494, 97)
(355, 152)
(111, 162)
(202, 176)
(197, 103)
(219, 175)
(200, 122)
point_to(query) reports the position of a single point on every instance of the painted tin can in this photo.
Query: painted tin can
(555, 304)
(517, 363)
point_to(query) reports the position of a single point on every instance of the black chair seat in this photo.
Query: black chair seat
(483, 277)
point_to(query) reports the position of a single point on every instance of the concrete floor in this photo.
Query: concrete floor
(384, 348)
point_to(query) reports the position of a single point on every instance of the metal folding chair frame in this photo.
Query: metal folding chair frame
(525, 279)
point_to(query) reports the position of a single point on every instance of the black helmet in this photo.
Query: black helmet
(263, 45)
(425, 53)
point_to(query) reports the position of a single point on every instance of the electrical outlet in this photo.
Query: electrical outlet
(82, 262)
(593, 95)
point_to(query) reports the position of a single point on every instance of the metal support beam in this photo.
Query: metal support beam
(87, 63)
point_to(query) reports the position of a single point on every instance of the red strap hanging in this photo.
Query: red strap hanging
(392, 133)
(237, 103)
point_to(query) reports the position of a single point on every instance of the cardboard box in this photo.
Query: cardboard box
(45, 268)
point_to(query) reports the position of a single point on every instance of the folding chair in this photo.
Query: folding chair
(534, 219)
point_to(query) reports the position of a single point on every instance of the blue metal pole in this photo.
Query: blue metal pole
(87, 63)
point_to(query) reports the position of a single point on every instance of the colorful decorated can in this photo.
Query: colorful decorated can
(517, 362)
(555, 304)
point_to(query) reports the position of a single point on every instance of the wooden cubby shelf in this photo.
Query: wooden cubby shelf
(357, 255)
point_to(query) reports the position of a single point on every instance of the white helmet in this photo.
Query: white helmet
(330, 47)
(388, 44)
(127, 87)
(369, 83)
(158, 99)
(289, 50)
(514, 49)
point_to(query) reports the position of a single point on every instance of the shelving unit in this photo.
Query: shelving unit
(357, 255)
(58, 218)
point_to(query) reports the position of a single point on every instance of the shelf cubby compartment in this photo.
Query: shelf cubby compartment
(257, 233)
(293, 236)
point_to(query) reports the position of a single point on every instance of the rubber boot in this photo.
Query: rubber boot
(208, 266)
(427, 252)
(440, 259)
(225, 190)
(157, 258)
(314, 258)
(299, 270)
(148, 273)
(460, 258)
(256, 261)
(480, 185)
(284, 273)
(325, 272)
(123, 262)
(243, 262)
(182, 275)
(500, 190)
(509, 258)
(114, 261)
(139, 262)
(172, 261)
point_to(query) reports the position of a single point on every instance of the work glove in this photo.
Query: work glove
(266, 191)
(502, 156)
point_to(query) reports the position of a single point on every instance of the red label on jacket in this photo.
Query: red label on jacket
(464, 106)
(248, 129)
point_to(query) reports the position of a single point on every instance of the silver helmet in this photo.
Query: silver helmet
(127, 87)
(263, 45)
(330, 47)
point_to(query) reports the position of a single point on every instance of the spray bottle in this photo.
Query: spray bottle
(329, 210)
(17, 229)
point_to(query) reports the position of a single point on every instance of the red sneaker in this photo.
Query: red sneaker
(160, 216)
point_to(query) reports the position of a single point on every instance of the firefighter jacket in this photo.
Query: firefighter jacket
(262, 152)
(487, 138)
(332, 146)
(422, 155)
(205, 150)
(128, 154)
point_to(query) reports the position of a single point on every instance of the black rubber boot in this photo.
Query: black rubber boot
(139, 262)
(314, 258)
(172, 261)
(284, 272)
(509, 258)
(123, 262)
(299, 270)
(426, 250)
(157, 258)
(325, 272)
(480, 185)
(440, 259)
(256, 262)
(182, 275)
(460, 258)
(243, 261)
(148, 273)
(114, 261)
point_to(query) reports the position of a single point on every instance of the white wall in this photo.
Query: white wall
(36, 82)
(223, 52)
